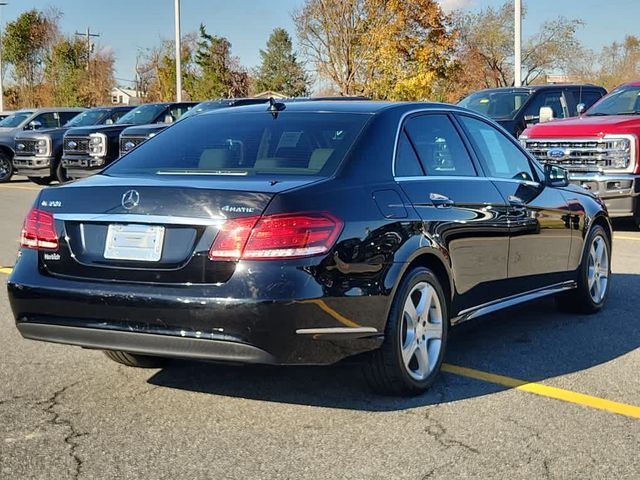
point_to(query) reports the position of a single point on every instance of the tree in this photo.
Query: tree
(411, 52)
(25, 44)
(332, 34)
(220, 74)
(280, 69)
(389, 49)
(485, 49)
(65, 71)
(619, 62)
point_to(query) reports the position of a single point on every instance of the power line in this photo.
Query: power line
(88, 36)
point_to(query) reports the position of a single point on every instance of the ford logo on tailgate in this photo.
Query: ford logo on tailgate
(558, 153)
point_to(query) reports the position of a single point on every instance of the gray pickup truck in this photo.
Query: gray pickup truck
(27, 119)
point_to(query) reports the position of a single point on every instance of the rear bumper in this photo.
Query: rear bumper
(619, 192)
(214, 322)
(32, 166)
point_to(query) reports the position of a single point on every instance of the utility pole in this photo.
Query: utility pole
(517, 57)
(2, 4)
(178, 59)
(88, 36)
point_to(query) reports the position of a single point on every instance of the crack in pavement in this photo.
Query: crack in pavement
(531, 447)
(438, 431)
(49, 407)
(11, 399)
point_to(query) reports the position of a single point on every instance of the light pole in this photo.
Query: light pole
(2, 4)
(517, 57)
(178, 59)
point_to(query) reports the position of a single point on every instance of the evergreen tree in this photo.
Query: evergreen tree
(280, 70)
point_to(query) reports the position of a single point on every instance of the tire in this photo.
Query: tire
(61, 173)
(590, 297)
(388, 370)
(41, 180)
(6, 168)
(135, 360)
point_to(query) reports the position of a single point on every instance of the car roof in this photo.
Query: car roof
(532, 88)
(337, 106)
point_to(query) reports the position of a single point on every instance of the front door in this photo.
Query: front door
(538, 215)
(461, 210)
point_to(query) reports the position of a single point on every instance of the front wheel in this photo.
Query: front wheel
(61, 173)
(135, 360)
(593, 276)
(415, 337)
(6, 168)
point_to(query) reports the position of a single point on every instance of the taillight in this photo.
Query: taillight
(276, 236)
(39, 231)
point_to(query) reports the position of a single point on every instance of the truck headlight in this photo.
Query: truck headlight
(43, 147)
(97, 145)
(618, 152)
(523, 140)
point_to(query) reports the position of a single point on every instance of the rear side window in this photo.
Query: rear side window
(407, 163)
(251, 143)
(500, 156)
(439, 146)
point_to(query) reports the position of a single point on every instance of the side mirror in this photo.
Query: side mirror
(168, 119)
(555, 176)
(546, 114)
(34, 125)
(580, 108)
(109, 121)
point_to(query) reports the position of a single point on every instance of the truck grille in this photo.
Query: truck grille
(29, 146)
(76, 145)
(129, 143)
(589, 154)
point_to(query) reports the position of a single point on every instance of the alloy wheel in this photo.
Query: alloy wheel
(421, 331)
(598, 269)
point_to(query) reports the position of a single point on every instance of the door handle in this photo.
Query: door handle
(516, 201)
(440, 200)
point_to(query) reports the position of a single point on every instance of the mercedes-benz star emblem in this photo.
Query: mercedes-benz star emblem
(130, 199)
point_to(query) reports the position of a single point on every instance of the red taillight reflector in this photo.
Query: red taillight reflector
(39, 231)
(276, 236)
(232, 238)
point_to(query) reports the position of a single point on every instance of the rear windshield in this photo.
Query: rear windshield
(227, 143)
(496, 105)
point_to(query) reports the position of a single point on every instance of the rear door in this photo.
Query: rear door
(539, 216)
(461, 210)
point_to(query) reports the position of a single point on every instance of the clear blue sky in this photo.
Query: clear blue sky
(129, 25)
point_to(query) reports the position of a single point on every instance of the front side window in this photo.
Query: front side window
(500, 156)
(554, 100)
(48, 120)
(142, 115)
(624, 100)
(439, 146)
(245, 144)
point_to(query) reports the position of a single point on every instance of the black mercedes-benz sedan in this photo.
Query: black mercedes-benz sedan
(304, 233)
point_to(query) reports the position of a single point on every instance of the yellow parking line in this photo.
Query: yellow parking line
(6, 270)
(546, 391)
(327, 309)
(622, 237)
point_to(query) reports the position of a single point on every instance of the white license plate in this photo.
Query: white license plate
(141, 243)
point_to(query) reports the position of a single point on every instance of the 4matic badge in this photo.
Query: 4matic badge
(237, 209)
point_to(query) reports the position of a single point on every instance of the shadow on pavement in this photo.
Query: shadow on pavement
(624, 225)
(532, 342)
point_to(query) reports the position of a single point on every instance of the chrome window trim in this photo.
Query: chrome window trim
(462, 177)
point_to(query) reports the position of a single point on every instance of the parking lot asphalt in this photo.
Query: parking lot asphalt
(527, 393)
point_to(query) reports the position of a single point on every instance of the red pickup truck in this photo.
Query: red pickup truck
(599, 149)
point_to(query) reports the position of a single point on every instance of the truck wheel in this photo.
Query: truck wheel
(61, 173)
(135, 360)
(594, 276)
(409, 360)
(41, 180)
(6, 168)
